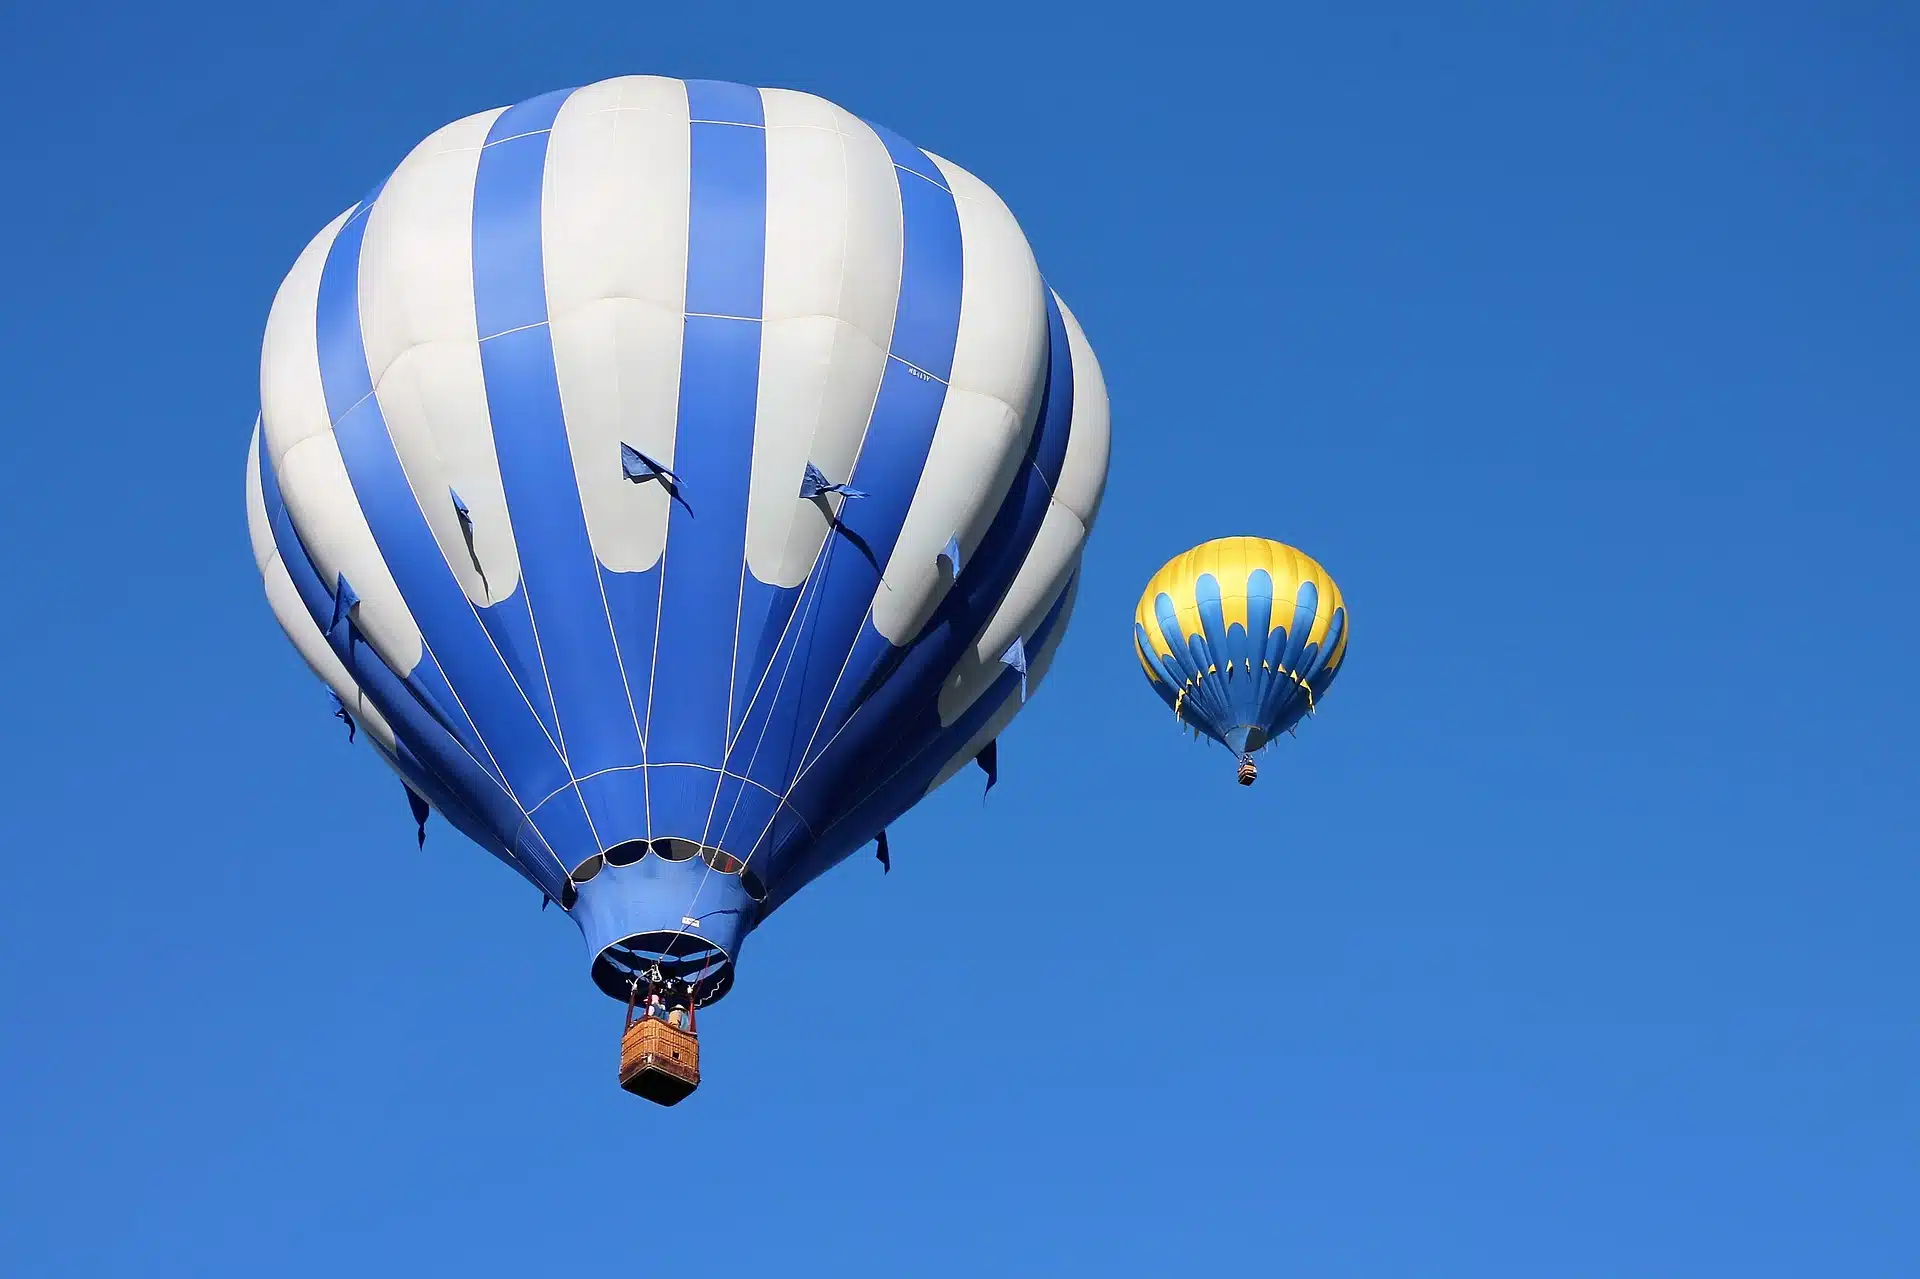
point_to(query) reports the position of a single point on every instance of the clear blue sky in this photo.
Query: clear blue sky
(1574, 938)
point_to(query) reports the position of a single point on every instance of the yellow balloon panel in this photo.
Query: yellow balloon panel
(1231, 562)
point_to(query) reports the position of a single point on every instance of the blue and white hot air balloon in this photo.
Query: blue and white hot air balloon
(675, 481)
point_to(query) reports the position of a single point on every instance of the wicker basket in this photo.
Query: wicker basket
(659, 1062)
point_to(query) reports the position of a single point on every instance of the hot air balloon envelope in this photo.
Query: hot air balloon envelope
(660, 473)
(1241, 636)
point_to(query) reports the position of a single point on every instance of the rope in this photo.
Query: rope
(693, 997)
(816, 577)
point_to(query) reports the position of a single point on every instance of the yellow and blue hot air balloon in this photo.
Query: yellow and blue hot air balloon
(1241, 636)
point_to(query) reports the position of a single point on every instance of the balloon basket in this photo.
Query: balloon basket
(659, 1062)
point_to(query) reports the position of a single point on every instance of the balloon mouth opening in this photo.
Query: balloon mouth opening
(672, 850)
(682, 956)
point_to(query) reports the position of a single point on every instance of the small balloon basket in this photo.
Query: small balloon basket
(659, 1062)
(660, 1057)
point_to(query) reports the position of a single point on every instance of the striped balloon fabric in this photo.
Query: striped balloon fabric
(1241, 637)
(676, 481)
